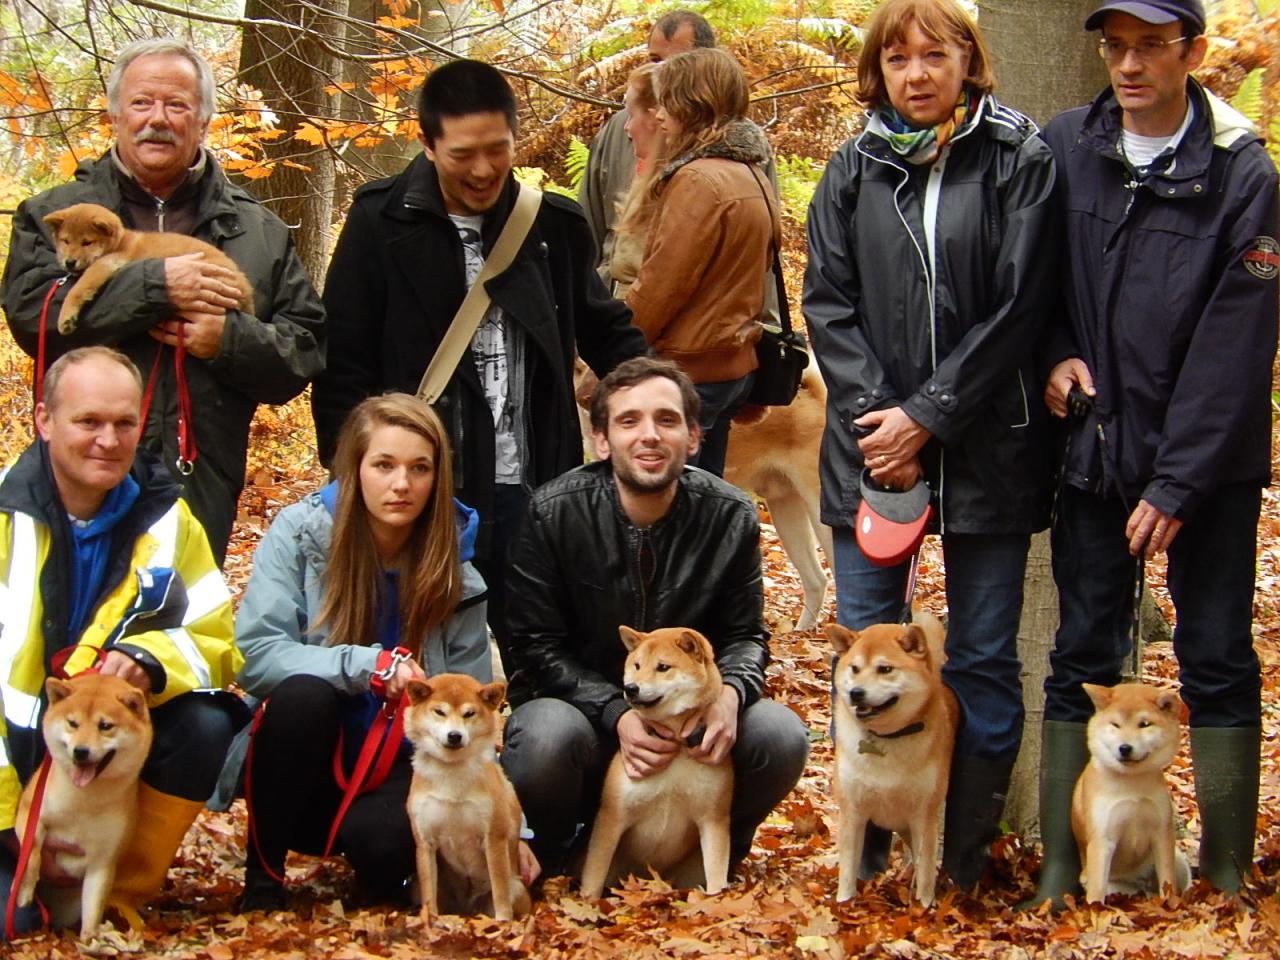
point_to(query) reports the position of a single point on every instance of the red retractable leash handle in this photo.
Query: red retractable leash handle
(57, 669)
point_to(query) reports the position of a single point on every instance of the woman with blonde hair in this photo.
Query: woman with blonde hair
(355, 590)
(701, 283)
(635, 212)
(931, 267)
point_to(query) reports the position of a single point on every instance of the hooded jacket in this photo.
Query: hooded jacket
(267, 358)
(395, 282)
(1170, 299)
(927, 288)
(162, 600)
(701, 284)
(277, 625)
(578, 569)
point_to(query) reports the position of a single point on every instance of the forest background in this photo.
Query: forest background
(314, 98)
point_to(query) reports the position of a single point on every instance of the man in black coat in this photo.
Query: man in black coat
(1169, 201)
(411, 247)
(636, 538)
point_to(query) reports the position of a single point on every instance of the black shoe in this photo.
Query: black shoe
(261, 892)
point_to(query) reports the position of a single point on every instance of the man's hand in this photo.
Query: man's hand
(202, 332)
(644, 751)
(530, 868)
(890, 449)
(1072, 372)
(117, 664)
(199, 285)
(1149, 526)
(720, 728)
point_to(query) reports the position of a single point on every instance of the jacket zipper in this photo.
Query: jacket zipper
(159, 215)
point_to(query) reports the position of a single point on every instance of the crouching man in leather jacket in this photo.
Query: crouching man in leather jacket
(637, 538)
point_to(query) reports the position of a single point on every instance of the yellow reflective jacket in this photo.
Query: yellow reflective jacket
(162, 598)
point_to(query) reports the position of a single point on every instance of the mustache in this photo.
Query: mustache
(152, 134)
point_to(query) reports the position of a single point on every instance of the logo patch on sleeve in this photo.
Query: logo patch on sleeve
(1262, 259)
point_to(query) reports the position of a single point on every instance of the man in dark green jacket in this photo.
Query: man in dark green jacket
(158, 176)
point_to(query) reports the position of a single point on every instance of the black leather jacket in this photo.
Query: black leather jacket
(578, 572)
(950, 337)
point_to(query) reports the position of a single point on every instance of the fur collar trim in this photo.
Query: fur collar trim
(741, 140)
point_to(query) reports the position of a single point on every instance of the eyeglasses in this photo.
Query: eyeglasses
(1114, 51)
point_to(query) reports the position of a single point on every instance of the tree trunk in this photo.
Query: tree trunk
(292, 70)
(1045, 63)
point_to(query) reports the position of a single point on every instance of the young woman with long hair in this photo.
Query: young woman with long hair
(701, 284)
(377, 560)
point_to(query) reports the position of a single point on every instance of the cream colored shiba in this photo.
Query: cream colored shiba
(895, 733)
(670, 677)
(463, 810)
(98, 732)
(91, 240)
(1121, 811)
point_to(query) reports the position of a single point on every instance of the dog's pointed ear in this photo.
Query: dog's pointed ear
(55, 219)
(105, 223)
(1169, 702)
(417, 690)
(492, 694)
(57, 689)
(135, 702)
(842, 638)
(1101, 696)
(913, 641)
(630, 638)
(691, 643)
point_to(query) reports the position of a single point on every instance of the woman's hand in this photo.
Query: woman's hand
(901, 477)
(891, 448)
(530, 868)
(406, 670)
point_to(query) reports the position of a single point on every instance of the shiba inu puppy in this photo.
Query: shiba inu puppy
(463, 810)
(98, 732)
(895, 732)
(657, 821)
(91, 240)
(1121, 812)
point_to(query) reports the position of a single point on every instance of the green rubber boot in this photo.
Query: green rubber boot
(1063, 755)
(1226, 768)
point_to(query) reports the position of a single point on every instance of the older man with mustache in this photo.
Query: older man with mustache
(159, 176)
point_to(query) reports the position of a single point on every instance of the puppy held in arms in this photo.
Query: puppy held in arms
(464, 812)
(98, 732)
(92, 241)
(661, 819)
(895, 732)
(1121, 812)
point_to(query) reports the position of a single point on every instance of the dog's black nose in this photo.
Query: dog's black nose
(631, 690)
(69, 266)
(454, 739)
(857, 694)
(1125, 750)
(80, 754)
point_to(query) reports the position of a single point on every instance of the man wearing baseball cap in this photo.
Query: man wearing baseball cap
(1167, 334)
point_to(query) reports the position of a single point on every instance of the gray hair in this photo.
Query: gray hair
(161, 47)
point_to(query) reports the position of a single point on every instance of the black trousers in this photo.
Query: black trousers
(295, 798)
(1211, 581)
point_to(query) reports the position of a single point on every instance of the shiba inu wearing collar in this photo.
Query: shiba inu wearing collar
(1121, 811)
(98, 732)
(895, 731)
(463, 810)
(657, 821)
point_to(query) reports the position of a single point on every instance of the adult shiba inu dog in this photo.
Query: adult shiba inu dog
(98, 732)
(91, 240)
(1121, 812)
(657, 821)
(463, 810)
(895, 732)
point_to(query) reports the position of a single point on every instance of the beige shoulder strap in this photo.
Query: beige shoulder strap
(465, 322)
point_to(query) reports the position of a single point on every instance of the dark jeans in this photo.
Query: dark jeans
(509, 501)
(984, 603)
(295, 796)
(720, 401)
(557, 762)
(1211, 580)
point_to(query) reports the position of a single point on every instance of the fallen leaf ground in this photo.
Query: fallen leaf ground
(782, 903)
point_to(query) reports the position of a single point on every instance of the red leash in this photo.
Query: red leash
(186, 438)
(377, 754)
(37, 375)
(42, 777)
